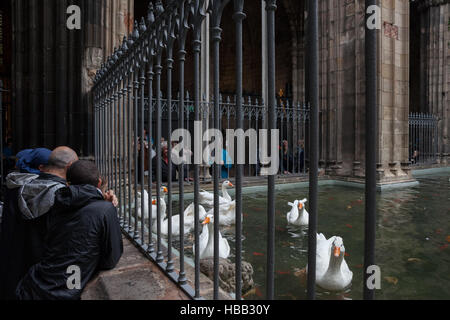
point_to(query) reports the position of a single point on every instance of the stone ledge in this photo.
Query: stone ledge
(134, 278)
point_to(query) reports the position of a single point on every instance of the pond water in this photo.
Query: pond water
(412, 245)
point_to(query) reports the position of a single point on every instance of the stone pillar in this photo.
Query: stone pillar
(393, 92)
(435, 40)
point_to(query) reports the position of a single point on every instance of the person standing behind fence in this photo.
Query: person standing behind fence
(84, 236)
(30, 196)
(300, 156)
(286, 160)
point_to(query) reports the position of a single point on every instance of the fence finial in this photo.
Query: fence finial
(142, 26)
(135, 34)
(159, 8)
(150, 14)
(124, 45)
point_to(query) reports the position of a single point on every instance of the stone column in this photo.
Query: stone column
(435, 39)
(393, 93)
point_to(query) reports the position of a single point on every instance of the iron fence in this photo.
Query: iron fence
(129, 79)
(1, 136)
(423, 139)
(292, 121)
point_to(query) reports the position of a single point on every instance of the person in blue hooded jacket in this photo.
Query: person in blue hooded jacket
(30, 195)
(84, 233)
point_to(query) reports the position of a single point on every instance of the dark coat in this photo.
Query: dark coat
(165, 170)
(24, 226)
(84, 232)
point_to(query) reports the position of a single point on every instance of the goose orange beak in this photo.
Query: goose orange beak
(165, 190)
(207, 221)
(337, 251)
(300, 206)
(154, 202)
(230, 185)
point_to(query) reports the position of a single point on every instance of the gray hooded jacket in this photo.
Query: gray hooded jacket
(36, 196)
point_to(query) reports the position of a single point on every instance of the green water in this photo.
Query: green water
(412, 248)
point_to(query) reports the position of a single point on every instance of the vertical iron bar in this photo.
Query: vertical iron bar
(142, 177)
(158, 69)
(196, 49)
(130, 97)
(170, 265)
(371, 143)
(1, 135)
(216, 33)
(119, 148)
(271, 7)
(239, 16)
(313, 39)
(114, 133)
(181, 110)
(197, 42)
(110, 111)
(124, 148)
(135, 153)
(150, 73)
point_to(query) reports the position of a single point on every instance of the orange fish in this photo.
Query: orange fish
(283, 272)
(445, 246)
(258, 292)
(258, 254)
(349, 226)
(448, 238)
(438, 231)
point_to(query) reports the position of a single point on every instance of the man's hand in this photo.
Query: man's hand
(111, 197)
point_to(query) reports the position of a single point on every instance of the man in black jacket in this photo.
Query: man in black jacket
(84, 237)
(29, 197)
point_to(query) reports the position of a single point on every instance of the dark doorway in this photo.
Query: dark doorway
(416, 60)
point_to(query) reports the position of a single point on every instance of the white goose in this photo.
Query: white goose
(206, 243)
(207, 198)
(139, 197)
(295, 217)
(227, 213)
(188, 222)
(332, 272)
(189, 215)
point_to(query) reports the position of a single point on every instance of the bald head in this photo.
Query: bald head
(60, 160)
